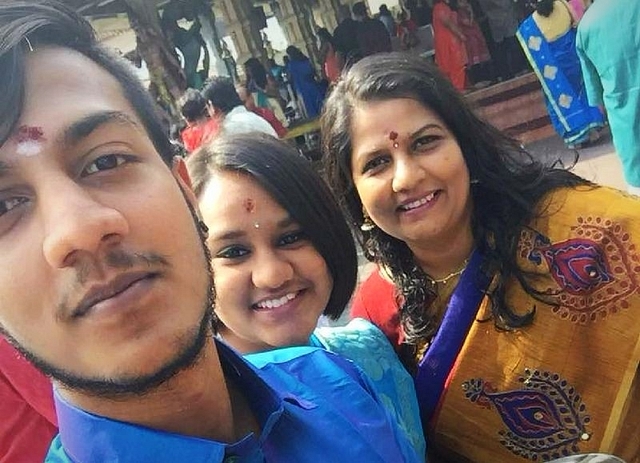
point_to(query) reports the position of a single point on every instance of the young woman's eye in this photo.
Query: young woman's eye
(106, 162)
(292, 238)
(232, 252)
(7, 205)
(375, 163)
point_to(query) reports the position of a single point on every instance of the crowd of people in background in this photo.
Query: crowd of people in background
(184, 303)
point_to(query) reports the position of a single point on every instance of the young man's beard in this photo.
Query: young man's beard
(189, 347)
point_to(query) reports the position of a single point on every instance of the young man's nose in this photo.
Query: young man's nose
(77, 223)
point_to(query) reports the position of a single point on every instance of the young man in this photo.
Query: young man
(225, 106)
(105, 283)
(200, 127)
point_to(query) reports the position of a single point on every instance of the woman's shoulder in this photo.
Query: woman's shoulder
(358, 333)
(589, 201)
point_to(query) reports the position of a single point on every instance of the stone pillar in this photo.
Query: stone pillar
(326, 14)
(243, 30)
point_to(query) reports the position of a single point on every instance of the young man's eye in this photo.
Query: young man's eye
(292, 238)
(8, 205)
(232, 252)
(106, 162)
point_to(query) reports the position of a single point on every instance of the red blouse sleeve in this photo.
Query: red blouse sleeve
(375, 301)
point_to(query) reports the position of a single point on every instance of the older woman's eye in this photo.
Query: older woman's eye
(425, 141)
(375, 164)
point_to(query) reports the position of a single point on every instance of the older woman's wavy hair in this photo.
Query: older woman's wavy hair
(507, 182)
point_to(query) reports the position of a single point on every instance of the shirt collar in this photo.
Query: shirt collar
(111, 440)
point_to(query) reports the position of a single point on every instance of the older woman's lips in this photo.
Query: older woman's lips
(420, 202)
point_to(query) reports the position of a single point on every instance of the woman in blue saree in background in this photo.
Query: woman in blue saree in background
(303, 77)
(548, 38)
(509, 288)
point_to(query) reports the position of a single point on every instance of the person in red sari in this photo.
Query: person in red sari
(475, 44)
(451, 55)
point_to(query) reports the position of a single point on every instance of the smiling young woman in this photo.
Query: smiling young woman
(282, 256)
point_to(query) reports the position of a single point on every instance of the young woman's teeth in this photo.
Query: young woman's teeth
(275, 303)
(419, 202)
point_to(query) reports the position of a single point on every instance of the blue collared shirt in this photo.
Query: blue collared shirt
(313, 406)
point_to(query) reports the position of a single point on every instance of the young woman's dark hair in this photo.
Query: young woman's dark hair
(33, 24)
(256, 71)
(544, 7)
(295, 54)
(290, 179)
(507, 183)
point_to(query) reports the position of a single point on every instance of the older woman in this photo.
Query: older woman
(508, 287)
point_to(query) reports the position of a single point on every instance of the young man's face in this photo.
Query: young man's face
(102, 273)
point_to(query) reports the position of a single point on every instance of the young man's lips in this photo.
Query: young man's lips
(104, 292)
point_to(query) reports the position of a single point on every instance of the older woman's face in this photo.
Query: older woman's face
(271, 282)
(410, 173)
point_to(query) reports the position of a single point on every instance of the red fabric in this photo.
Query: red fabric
(195, 135)
(476, 46)
(272, 119)
(28, 420)
(331, 65)
(451, 56)
(375, 301)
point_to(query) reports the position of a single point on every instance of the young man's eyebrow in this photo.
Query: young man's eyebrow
(84, 127)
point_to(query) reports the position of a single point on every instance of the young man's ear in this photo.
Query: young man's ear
(180, 172)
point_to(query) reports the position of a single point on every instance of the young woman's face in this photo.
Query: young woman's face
(271, 283)
(410, 173)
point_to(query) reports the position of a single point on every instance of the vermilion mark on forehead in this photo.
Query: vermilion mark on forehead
(26, 133)
(249, 205)
(393, 135)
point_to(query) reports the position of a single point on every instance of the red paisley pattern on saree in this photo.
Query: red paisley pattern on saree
(593, 273)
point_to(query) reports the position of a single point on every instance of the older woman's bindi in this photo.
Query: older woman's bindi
(29, 140)
(393, 136)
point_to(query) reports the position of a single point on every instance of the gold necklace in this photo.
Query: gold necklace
(445, 280)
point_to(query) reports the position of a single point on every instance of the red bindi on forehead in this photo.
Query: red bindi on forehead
(393, 135)
(249, 205)
(26, 133)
